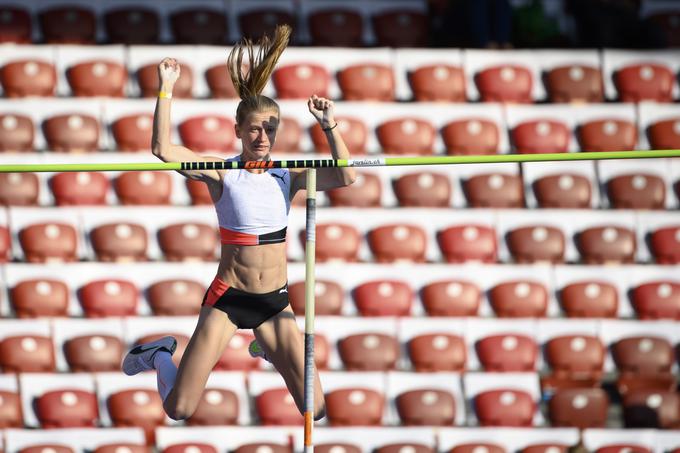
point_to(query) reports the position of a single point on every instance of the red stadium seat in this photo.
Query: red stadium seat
(132, 25)
(390, 243)
(176, 297)
(220, 84)
(437, 352)
(607, 135)
(504, 408)
(147, 77)
(401, 28)
(93, 353)
(208, 133)
(438, 83)
(236, 356)
(579, 408)
(328, 297)
(369, 352)
(623, 448)
(354, 133)
(665, 245)
(494, 190)
(643, 355)
(423, 189)
(644, 82)
(506, 83)
(637, 191)
(16, 25)
(519, 299)
(552, 447)
(27, 353)
(478, 447)
(67, 25)
(471, 136)
(336, 27)
(575, 357)
(333, 447)
(426, 407)
(5, 245)
(182, 342)
(39, 298)
(383, 298)
(10, 410)
(217, 407)
(97, 78)
(366, 192)
(119, 242)
(199, 25)
(71, 133)
(367, 82)
(589, 299)
(67, 409)
(406, 136)
(110, 297)
(258, 447)
(42, 242)
(664, 134)
(79, 188)
(188, 241)
(198, 191)
(301, 81)
(259, 22)
(575, 83)
(651, 409)
(405, 447)
(462, 243)
(277, 407)
(606, 244)
(16, 133)
(335, 241)
(137, 408)
(19, 189)
(143, 188)
(127, 448)
(657, 300)
(28, 77)
(507, 352)
(187, 447)
(564, 190)
(288, 136)
(533, 244)
(354, 407)
(451, 298)
(133, 132)
(544, 136)
(47, 446)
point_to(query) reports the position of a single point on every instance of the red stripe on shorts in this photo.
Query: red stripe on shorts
(215, 291)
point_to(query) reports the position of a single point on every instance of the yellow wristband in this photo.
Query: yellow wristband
(164, 95)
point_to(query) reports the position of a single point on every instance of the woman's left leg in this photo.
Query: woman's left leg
(281, 340)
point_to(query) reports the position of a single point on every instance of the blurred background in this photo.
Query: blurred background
(493, 308)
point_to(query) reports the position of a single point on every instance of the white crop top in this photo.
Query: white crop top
(253, 208)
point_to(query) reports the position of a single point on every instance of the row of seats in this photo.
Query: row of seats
(273, 439)
(80, 400)
(382, 23)
(563, 350)
(393, 128)
(68, 234)
(451, 75)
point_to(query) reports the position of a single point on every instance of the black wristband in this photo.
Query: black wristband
(325, 129)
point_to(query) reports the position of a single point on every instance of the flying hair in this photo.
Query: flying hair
(260, 65)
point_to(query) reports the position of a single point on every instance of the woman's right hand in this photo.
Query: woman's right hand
(168, 73)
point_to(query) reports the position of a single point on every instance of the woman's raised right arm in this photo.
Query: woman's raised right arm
(161, 146)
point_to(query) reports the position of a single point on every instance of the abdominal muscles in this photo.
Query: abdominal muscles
(254, 268)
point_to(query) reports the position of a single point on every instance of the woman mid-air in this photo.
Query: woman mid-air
(250, 289)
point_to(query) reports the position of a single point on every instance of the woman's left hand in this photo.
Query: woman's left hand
(322, 109)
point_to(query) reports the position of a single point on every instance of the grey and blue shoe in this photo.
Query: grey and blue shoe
(140, 358)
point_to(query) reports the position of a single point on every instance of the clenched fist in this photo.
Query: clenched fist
(168, 73)
(323, 110)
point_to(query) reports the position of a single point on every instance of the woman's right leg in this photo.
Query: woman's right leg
(212, 334)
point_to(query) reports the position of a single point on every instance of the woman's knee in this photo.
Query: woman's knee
(178, 408)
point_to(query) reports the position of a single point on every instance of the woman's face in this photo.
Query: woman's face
(258, 133)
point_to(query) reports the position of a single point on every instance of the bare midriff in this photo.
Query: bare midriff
(254, 268)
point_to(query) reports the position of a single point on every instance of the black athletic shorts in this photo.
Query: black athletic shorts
(245, 310)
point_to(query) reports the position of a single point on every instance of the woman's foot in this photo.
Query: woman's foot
(140, 358)
(256, 351)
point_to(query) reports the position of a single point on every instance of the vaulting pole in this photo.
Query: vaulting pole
(310, 248)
